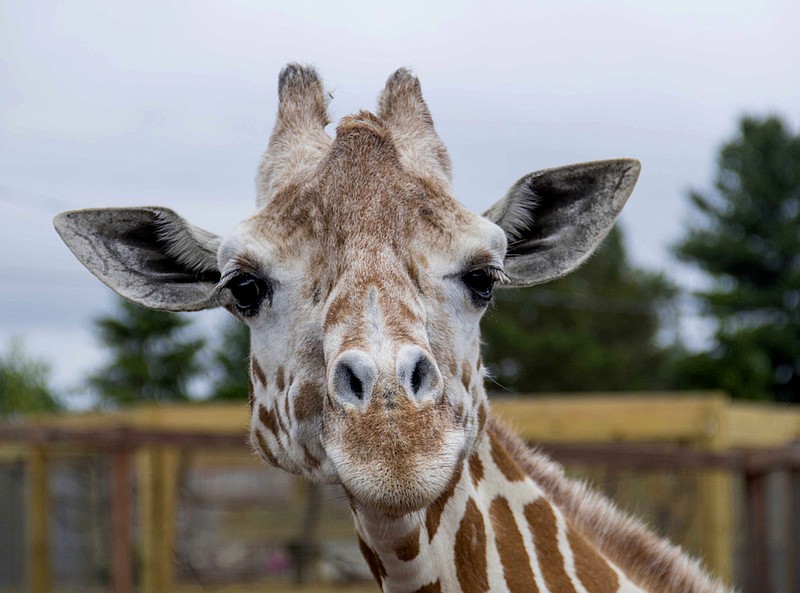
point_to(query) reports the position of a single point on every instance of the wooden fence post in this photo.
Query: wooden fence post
(716, 496)
(793, 529)
(120, 521)
(758, 557)
(39, 566)
(158, 467)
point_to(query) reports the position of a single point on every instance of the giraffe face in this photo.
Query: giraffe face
(365, 339)
(362, 281)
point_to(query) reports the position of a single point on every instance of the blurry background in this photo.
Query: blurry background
(169, 103)
(111, 104)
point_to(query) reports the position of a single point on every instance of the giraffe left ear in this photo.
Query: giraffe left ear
(555, 218)
(149, 255)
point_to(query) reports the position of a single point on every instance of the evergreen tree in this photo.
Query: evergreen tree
(152, 356)
(593, 330)
(746, 239)
(230, 362)
(24, 384)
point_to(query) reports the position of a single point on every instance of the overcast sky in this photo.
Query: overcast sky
(111, 104)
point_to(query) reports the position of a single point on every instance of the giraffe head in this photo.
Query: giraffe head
(363, 282)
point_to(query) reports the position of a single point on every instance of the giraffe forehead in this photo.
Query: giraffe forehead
(363, 187)
(363, 203)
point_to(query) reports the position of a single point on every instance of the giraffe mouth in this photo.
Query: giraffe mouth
(395, 460)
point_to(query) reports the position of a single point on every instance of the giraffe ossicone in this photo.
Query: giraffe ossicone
(363, 282)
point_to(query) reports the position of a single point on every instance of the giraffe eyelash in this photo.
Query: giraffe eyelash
(239, 269)
(498, 275)
(223, 281)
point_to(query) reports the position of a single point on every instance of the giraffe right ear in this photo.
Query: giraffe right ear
(150, 255)
(554, 219)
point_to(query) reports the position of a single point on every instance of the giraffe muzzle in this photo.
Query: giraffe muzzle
(355, 377)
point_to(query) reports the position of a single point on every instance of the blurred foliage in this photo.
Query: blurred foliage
(24, 383)
(596, 329)
(152, 356)
(746, 238)
(230, 361)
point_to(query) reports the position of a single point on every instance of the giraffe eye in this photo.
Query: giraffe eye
(248, 293)
(480, 284)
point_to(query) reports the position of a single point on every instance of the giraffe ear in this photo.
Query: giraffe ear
(150, 255)
(555, 218)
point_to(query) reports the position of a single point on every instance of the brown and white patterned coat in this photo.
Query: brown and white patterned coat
(363, 282)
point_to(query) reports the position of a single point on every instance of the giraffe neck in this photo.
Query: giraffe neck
(492, 530)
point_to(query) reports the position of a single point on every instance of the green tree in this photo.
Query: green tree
(24, 383)
(595, 329)
(229, 362)
(746, 240)
(152, 356)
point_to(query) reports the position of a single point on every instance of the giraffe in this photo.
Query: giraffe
(363, 282)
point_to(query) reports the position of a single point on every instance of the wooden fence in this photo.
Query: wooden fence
(704, 432)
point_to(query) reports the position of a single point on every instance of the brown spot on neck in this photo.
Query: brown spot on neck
(592, 569)
(511, 547)
(475, 469)
(280, 380)
(407, 547)
(481, 416)
(262, 445)
(470, 551)
(466, 375)
(258, 371)
(373, 561)
(544, 529)
(267, 418)
(504, 462)
(281, 425)
(434, 512)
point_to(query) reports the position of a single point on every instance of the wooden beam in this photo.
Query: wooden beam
(754, 425)
(121, 515)
(792, 529)
(116, 437)
(158, 468)
(715, 507)
(39, 561)
(758, 556)
(645, 458)
(611, 418)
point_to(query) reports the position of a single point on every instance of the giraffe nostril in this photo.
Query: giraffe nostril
(353, 377)
(356, 386)
(417, 372)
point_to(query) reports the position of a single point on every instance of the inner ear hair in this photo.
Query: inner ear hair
(515, 216)
(190, 246)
